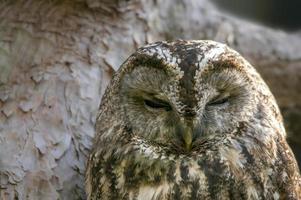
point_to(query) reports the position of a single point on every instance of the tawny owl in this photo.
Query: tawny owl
(190, 120)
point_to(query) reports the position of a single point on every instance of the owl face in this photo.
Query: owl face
(190, 120)
(185, 104)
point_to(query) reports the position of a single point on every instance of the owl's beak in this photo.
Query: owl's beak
(187, 136)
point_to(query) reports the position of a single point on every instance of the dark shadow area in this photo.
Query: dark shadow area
(292, 119)
(283, 14)
(297, 151)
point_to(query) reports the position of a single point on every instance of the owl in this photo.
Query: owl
(190, 120)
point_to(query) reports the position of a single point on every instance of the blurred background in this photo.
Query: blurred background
(57, 57)
(279, 14)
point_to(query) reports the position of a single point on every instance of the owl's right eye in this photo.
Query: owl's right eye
(157, 104)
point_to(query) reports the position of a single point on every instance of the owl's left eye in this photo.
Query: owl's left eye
(219, 100)
(157, 104)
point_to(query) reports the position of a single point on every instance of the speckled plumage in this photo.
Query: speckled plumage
(190, 120)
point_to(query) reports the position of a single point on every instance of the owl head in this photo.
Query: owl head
(185, 96)
(190, 120)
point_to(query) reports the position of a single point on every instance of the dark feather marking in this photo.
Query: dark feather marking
(184, 171)
(170, 176)
(147, 61)
(253, 169)
(96, 170)
(237, 188)
(195, 187)
(109, 172)
(188, 55)
(176, 192)
(131, 178)
(214, 171)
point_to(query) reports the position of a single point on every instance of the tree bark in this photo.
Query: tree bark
(56, 58)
